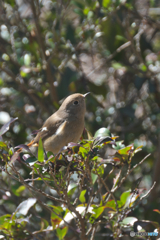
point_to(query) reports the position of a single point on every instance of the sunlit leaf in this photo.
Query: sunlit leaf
(137, 150)
(104, 196)
(119, 145)
(4, 218)
(24, 206)
(111, 204)
(105, 3)
(98, 211)
(61, 232)
(102, 132)
(126, 150)
(40, 151)
(124, 196)
(129, 221)
(82, 196)
(72, 190)
(100, 140)
(3, 145)
(20, 189)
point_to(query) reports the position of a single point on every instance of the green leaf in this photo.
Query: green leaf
(143, 67)
(44, 224)
(11, 2)
(86, 10)
(94, 177)
(137, 150)
(3, 145)
(126, 150)
(111, 204)
(106, 3)
(83, 152)
(131, 199)
(124, 196)
(117, 65)
(72, 189)
(4, 218)
(24, 206)
(119, 145)
(119, 203)
(55, 220)
(120, 38)
(20, 189)
(79, 4)
(102, 132)
(98, 211)
(61, 232)
(31, 160)
(82, 196)
(40, 151)
(100, 170)
(79, 12)
(129, 221)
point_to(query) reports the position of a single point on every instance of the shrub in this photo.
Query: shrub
(75, 194)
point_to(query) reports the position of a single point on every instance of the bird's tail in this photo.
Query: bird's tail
(28, 145)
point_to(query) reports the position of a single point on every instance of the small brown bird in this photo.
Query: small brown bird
(64, 126)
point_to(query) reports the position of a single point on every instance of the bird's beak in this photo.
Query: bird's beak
(84, 95)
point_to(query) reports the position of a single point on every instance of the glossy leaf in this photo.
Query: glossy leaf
(102, 132)
(24, 206)
(129, 221)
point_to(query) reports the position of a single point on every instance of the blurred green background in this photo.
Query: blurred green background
(51, 49)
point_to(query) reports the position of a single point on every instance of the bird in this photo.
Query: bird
(64, 126)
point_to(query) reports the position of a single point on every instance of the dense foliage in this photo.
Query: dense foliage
(68, 194)
(48, 50)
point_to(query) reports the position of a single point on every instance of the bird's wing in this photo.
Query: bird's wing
(49, 128)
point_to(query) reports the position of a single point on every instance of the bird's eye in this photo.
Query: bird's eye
(75, 102)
